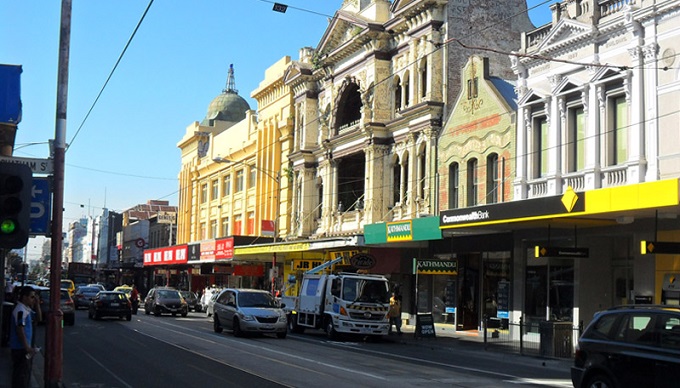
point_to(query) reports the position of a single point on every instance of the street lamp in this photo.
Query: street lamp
(277, 179)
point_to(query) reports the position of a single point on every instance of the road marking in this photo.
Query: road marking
(105, 368)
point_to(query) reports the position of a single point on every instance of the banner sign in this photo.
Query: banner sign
(399, 231)
(165, 256)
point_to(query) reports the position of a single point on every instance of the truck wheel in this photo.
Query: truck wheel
(330, 329)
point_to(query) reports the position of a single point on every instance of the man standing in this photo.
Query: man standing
(395, 313)
(20, 337)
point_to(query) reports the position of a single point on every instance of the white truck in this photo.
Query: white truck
(348, 303)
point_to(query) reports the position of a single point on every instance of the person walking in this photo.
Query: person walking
(395, 313)
(21, 337)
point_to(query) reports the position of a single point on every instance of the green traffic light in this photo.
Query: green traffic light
(7, 226)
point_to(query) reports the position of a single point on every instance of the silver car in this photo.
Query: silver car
(248, 311)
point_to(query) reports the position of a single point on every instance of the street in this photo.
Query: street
(154, 351)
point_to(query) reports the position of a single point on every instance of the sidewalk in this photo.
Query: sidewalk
(6, 369)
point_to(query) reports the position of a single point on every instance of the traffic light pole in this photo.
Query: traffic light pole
(54, 338)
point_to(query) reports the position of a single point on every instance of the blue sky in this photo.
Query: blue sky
(126, 152)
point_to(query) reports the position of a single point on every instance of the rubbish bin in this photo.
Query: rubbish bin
(7, 308)
(556, 339)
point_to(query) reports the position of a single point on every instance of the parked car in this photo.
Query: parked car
(248, 311)
(192, 300)
(110, 304)
(69, 285)
(165, 300)
(100, 286)
(630, 346)
(84, 295)
(65, 304)
(210, 304)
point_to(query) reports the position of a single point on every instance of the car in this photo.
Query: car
(124, 288)
(165, 300)
(192, 300)
(110, 304)
(69, 285)
(210, 304)
(65, 304)
(100, 286)
(83, 296)
(629, 346)
(249, 311)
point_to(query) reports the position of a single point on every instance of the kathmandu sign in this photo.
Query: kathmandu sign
(437, 267)
(399, 231)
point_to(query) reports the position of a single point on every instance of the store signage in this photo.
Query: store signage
(659, 247)
(437, 267)
(560, 252)
(166, 256)
(362, 261)
(399, 231)
(164, 217)
(208, 250)
(305, 265)
(224, 249)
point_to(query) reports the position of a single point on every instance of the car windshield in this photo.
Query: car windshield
(365, 290)
(255, 299)
(187, 294)
(168, 294)
(88, 290)
(111, 296)
(65, 283)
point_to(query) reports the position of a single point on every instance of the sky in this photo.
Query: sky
(125, 151)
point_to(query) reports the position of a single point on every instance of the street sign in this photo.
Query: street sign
(659, 247)
(40, 206)
(38, 166)
(561, 252)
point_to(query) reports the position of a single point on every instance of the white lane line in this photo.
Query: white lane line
(279, 353)
(106, 369)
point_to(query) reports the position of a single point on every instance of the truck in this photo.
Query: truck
(80, 273)
(342, 303)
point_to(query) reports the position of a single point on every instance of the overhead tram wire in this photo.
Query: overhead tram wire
(110, 75)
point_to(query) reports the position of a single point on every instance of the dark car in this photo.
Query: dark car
(110, 304)
(192, 300)
(65, 304)
(248, 311)
(630, 346)
(165, 300)
(84, 295)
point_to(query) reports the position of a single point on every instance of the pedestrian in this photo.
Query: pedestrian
(395, 313)
(20, 337)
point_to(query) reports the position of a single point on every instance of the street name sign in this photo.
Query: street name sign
(38, 166)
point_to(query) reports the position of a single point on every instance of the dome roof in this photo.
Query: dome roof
(228, 106)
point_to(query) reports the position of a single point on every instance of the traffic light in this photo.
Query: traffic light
(16, 181)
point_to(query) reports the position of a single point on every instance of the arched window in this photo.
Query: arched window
(423, 78)
(492, 179)
(421, 173)
(396, 182)
(397, 94)
(472, 182)
(407, 89)
(454, 177)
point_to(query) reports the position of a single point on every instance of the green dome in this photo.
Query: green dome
(228, 106)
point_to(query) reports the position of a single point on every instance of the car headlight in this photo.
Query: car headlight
(282, 318)
(245, 317)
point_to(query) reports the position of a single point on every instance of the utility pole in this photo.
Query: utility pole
(54, 341)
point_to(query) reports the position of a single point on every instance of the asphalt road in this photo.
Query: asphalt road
(171, 351)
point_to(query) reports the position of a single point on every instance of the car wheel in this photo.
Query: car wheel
(147, 310)
(70, 320)
(184, 314)
(128, 317)
(157, 312)
(216, 325)
(198, 308)
(599, 381)
(89, 314)
(330, 329)
(237, 329)
(97, 316)
(281, 334)
(174, 314)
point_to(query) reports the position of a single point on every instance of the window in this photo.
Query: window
(423, 78)
(204, 193)
(619, 131)
(541, 147)
(397, 94)
(576, 127)
(225, 226)
(238, 220)
(454, 172)
(213, 229)
(472, 91)
(407, 89)
(396, 179)
(492, 179)
(320, 205)
(239, 181)
(251, 223)
(253, 177)
(472, 182)
(203, 232)
(226, 185)
(214, 189)
(422, 175)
